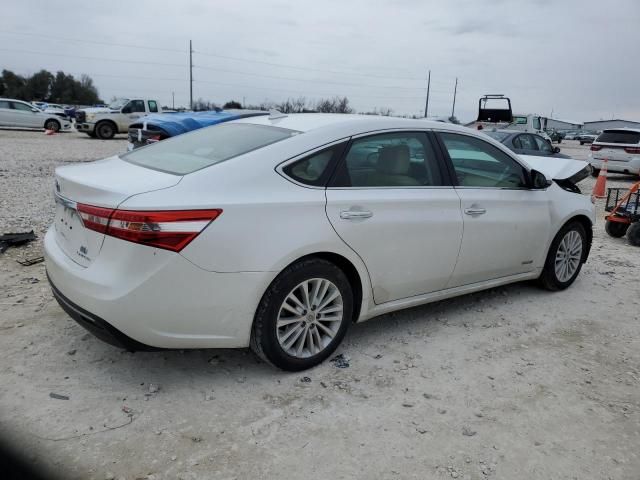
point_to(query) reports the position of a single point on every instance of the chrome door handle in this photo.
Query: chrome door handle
(355, 214)
(475, 211)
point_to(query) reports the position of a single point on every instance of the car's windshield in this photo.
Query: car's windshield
(118, 103)
(500, 136)
(205, 147)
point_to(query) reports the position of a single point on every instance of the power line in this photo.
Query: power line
(395, 87)
(298, 67)
(94, 42)
(137, 62)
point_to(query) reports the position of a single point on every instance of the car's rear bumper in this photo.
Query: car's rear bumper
(628, 166)
(137, 296)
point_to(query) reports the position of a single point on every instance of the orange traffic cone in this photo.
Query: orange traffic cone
(49, 132)
(600, 188)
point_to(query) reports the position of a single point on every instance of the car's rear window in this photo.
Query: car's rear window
(619, 136)
(202, 148)
(500, 136)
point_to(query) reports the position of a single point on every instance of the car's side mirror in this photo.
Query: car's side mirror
(556, 149)
(126, 109)
(538, 180)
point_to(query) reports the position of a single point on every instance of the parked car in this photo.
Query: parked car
(526, 143)
(571, 135)
(279, 232)
(16, 113)
(159, 127)
(105, 123)
(555, 136)
(586, 137)
(621, 148)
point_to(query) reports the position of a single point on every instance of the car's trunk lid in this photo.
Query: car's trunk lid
(105, 184)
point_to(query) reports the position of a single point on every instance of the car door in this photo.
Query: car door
(392, 202)
(24, 116)
(525, 144)
(505, 222)
(132, 111)
(5, 113)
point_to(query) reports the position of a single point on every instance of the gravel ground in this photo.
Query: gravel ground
(510, 383)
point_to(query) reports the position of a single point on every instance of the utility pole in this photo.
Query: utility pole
(190, 75)
(455, 91)
(426, 105)
(173, 100)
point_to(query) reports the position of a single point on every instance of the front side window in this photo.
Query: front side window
(405, 159)
(202, 148)
(21, 106)
(536, 123)
(543, 145)
(153, 106)
(136, 106)
(479, 164)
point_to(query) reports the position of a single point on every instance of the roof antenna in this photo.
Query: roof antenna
(275, 114)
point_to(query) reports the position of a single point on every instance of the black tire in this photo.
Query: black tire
(633, 234)
(52, 124)
(595, 172)
(92, 134)
(581, 143)
(264, 340)
(616, 229)
(548, 279)
(105, 130)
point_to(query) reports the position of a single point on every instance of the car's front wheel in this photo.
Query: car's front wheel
(105, 130)
(52, 125)
(303, 315)
(565, 257)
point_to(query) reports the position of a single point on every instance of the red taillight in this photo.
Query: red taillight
(595, 148)
(95, 218)
(632, 149)
(171, 230)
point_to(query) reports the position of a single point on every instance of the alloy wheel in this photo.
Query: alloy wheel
(568, 256)
(309, 318)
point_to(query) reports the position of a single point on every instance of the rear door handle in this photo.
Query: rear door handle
(355, 214)
(473, 211)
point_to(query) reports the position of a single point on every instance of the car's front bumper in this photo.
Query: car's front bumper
(85, 127)
(137, 295)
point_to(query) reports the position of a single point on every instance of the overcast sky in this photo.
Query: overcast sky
(575, 58)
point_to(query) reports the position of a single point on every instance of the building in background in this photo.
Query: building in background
(598, 125)
(557, 124)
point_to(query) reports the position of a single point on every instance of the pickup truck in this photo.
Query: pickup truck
(104, 123)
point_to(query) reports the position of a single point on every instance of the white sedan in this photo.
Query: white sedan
(279, 232)
(16, 113)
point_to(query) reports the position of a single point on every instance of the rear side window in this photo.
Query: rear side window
(316, 168)
(404, 159)
(4, 104)
(619, 136)
(153, 106)
(202, 148)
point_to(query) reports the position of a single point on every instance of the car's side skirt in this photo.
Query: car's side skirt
(381, 309)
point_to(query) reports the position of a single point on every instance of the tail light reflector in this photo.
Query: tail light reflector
(95, 218)
(632, 149)
(595, 148)
(171, 229)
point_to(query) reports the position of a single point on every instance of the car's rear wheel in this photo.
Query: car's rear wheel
(616, 229)
(565, 257)
(52, 125)
(303, 316)
(633, 234)
(105, 130)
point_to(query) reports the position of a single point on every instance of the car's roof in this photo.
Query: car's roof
(628, 129)
(349, 124)
(13, 100)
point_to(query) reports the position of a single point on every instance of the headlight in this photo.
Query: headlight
(91, 116)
